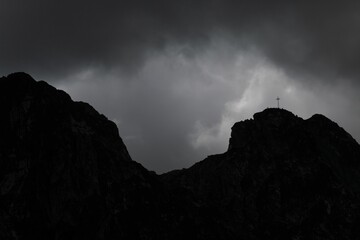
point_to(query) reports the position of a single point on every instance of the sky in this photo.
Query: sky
(176, 75)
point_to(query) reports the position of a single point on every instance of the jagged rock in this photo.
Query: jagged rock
(282, 178)
(65, 173)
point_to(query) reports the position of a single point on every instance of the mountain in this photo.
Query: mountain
(65, 173)
(282, 177)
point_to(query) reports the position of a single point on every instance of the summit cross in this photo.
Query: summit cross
(278, 102)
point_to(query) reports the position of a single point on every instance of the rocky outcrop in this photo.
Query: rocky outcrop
(65, 173)
(282, 178)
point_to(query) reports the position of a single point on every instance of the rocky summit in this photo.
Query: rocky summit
(282, 178)
(65, 173)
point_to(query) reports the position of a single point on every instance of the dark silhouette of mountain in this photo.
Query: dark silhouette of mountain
(65, 173)
(282, 178)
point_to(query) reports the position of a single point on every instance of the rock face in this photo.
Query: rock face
(282, 178)
(65, 173)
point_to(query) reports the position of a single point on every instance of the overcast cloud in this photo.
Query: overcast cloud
(176, 75)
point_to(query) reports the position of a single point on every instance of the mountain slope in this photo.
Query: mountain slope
(282, 178)
(64, 171)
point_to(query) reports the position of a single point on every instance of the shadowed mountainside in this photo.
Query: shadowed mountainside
(65, 173)
(282, 178)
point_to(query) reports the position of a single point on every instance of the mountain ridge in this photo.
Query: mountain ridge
(65, 173)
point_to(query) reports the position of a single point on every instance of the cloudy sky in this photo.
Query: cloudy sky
(176, 75)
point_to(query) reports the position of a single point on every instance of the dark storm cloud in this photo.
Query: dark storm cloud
(58, 37)
(157, 111)
(175, 75)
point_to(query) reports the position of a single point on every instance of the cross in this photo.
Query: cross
(278, 101)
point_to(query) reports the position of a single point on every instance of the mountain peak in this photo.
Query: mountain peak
(266, 126)
(275, 116)
(20, 76)
(276, 127)
(272, 112)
